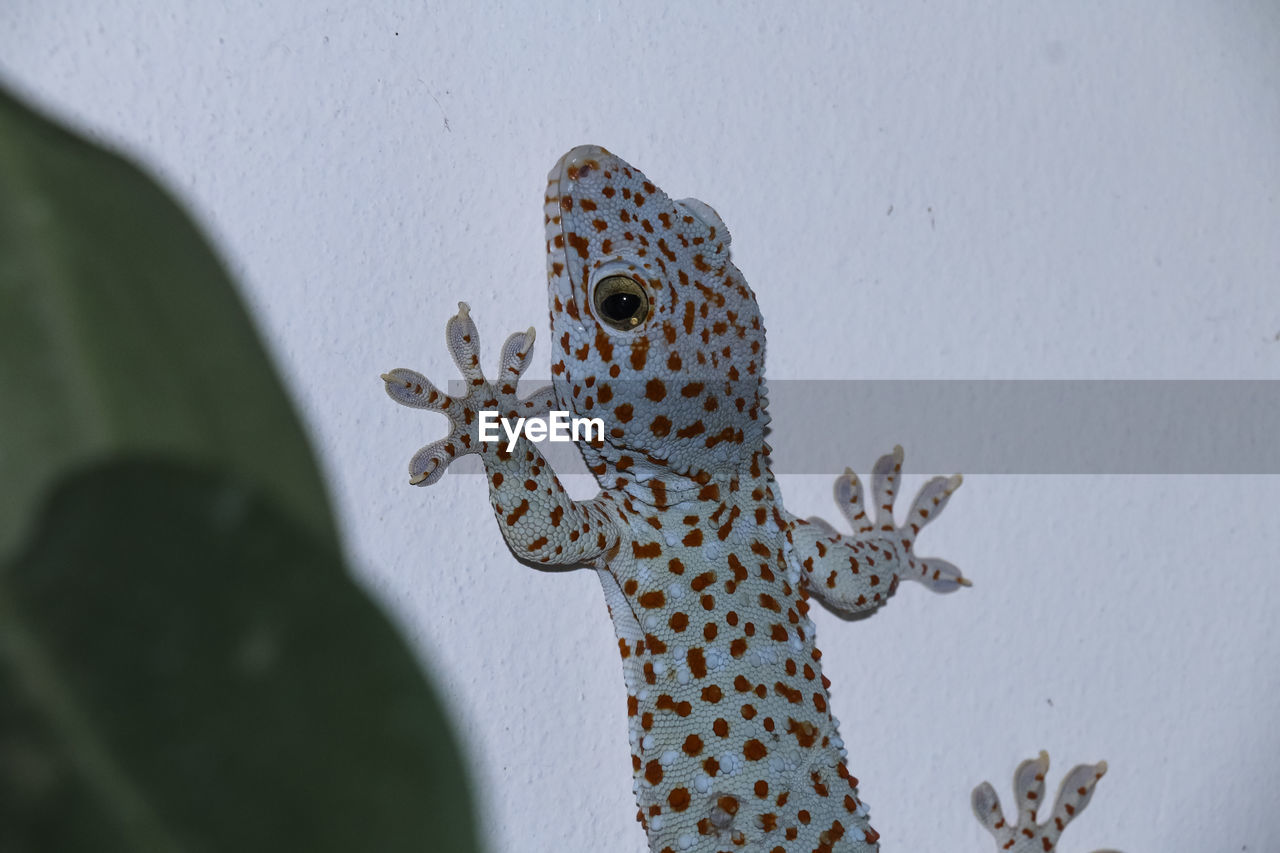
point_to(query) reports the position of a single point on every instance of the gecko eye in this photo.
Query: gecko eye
(621, 302)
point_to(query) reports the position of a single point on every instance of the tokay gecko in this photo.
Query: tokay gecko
(708, 578)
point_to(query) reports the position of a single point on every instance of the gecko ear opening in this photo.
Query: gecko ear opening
(707, 215)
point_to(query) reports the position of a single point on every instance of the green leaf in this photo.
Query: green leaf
(185, 665)
(120, 332)
(184, 668)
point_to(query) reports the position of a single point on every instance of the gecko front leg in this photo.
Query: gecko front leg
(855, 574)
(538, 519)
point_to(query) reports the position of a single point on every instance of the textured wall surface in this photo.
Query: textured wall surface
(927, 190)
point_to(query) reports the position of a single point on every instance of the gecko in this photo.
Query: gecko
(707, 577)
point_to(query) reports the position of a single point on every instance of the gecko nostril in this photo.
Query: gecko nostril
(581, 161)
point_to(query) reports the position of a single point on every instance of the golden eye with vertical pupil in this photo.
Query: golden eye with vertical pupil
(621, 302)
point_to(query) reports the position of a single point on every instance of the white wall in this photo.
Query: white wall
(1084, 190)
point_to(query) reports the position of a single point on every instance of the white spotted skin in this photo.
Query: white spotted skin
(707, 576)
(732, 738)
(729, 718)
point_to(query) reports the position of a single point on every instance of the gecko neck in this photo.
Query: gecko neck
(654, 480)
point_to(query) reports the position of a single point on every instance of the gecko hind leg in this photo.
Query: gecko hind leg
(1026, 836)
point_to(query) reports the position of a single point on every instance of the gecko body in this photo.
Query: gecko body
(707, 577)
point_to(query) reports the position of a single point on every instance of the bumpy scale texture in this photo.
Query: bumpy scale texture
(708, 578)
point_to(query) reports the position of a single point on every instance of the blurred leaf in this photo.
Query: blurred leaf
(120, 332)
(183, 668)
(184, 663)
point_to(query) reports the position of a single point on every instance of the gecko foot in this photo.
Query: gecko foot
(938, 575)
(1028, 787)
(410, 388)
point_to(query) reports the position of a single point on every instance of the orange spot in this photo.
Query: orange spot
(702, 581)
(639, 353)
(697, 663)
(647, 550)
(655, 599)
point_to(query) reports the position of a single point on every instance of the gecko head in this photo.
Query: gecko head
(654, 329)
